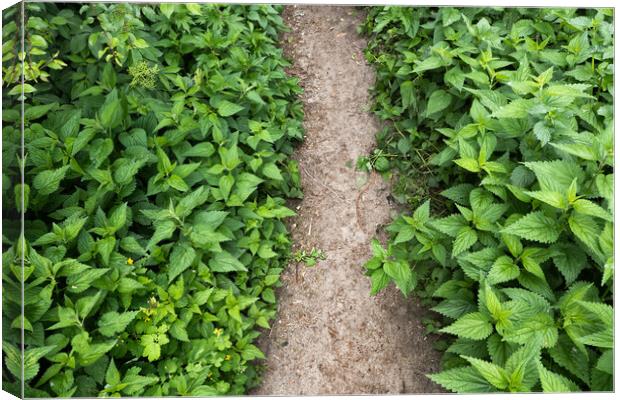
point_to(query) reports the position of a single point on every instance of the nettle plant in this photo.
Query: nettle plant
(156, 170)
(506, 115)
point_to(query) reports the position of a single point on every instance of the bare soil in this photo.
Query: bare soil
(330, 336)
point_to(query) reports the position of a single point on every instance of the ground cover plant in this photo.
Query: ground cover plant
(157, 142)
(499, 138)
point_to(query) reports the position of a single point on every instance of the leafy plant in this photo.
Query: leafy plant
(158, 142)
(504, 118)
(309, 258)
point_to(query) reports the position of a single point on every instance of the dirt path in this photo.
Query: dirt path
(331, 337)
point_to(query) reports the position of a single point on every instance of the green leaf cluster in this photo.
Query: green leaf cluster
(156, 171)
(499, 133)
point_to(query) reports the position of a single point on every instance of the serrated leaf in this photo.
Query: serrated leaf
(449, 225)
(554, 199)
(112, 322)
(535, 226)
(79, 282)
(465, 238)
(586, 229)
(492, 373)
(538, 330)
(503, 270)
(47, 182)
(225, 262)
(225, 108)
(438, 101)
(181, 257)
(462, 380)
(552, 382)
(555, 176)
(586, 207)
(401, 273)
(471, 326)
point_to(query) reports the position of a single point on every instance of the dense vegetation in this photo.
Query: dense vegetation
(157, 163)
(499, 135)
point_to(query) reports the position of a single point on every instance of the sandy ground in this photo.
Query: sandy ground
(330, 336)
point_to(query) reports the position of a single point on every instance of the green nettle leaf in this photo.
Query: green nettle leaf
(605, 362)
(13, 359)
(555, 176)
(167, 9)
(178, 183)
(535, 226)
(570, 260)
(554, 199)
(516, 109)
(465, 238)
(521, 365)
(540, 329)
(454, 308)
(503, 270)
(455, 77)
(94, 352)
(79, 282)
(112, 376)
(112, 322)
(105, 247)
(225, 262)
(405, 233)
(543, 132)
(225, 184)
(554, 383)
(566, 355)
(493, 374)
(225, 108)
(586, 207)
(585, 228)
(378, 281)
(270, 170)
(470, 326)
(163, 230)
(181, 257)
(450, 225)
(111, 114)
(438, 101)
(407, 93)
(31, 360)
(605, 185)
(498, 349)
(470, 164)
(178, 331)
(402, 275)
(36, 112)
(66, 317)
(193, 8)
(463, 380)
(428, 64)
(189, 202)
(47, 182)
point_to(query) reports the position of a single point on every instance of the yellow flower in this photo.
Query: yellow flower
(130, 261)
(227, 357)
(218, 331)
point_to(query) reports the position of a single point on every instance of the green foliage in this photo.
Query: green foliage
(158, 143)
(309, 258)
(500, 134)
